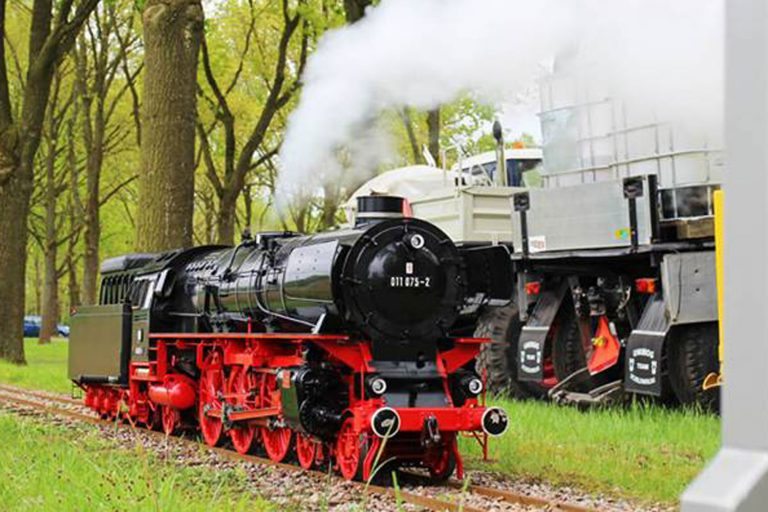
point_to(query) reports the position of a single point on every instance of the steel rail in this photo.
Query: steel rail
(428, 502)
(44, 396)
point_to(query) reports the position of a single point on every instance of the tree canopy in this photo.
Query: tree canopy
(80, 155)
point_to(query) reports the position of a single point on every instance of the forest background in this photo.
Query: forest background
(141, 126)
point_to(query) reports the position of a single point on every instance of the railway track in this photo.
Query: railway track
(449, 497)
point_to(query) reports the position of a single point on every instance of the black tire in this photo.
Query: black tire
(692, 355)
(499, 357)
(569, 354)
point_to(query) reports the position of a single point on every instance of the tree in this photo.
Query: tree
(355, 9)
(405, 115)
(173, 30)
(433, 128)
(74, 209)
(51, 35)
(461, 123)
(97, 66)
(53, 184)
(281, 87)
(332, 196)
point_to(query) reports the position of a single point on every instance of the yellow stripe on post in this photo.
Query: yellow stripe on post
(716, 379)
(719, 274)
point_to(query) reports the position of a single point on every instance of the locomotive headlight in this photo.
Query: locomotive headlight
(475, 386)
(470, 385)
(417, 241)
(377, 385)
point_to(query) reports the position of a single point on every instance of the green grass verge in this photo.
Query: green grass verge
(646, 453)
(47, 467)
(643, 453)
(46, 367)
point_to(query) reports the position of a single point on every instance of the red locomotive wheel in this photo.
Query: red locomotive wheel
(241, 384)
(277, 441)
(349, 451)
(441, 463)
(306, 450)
(156, 419)
(211, 387)
(171, 419)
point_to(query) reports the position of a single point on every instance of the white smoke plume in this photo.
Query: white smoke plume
(662, 55)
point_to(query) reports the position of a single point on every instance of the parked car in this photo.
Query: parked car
(32, 327)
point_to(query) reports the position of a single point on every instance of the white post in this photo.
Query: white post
(737, 479)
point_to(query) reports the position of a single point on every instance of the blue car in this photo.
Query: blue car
(32, 327)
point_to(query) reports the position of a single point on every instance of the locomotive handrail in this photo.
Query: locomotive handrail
(244, 335)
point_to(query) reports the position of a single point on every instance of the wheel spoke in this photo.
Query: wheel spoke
(211, 385)
(306, 450)
(240, 385)
(277, 440)
(349, 452)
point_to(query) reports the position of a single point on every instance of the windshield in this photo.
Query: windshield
(520, 172)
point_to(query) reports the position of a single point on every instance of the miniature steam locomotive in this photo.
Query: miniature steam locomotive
(322, 345)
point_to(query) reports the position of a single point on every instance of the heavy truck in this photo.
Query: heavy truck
(613, 249)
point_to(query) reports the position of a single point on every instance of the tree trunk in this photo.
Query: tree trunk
(19, 141)
(73, 287)
(15, 194)
(14, 208)
(248, 199)
(38, 285)
(225, 221)
(91, 256)
(17, 156)
(405, 116)
(355, 9)
(50, 305)
(50, 312)
(330, 205)
(75, 217)
(433, 124)
(208, 212)
(172, 35)
(92, 207)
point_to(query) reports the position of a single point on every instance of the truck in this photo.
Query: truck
(612, 241)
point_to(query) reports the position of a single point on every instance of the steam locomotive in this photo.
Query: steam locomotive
(322, 346)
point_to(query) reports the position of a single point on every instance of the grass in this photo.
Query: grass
(46, 367)
(645, 453)
(48, 467)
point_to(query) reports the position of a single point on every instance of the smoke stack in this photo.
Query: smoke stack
(377, 208)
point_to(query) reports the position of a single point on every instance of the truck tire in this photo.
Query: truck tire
(569, 354)
(692, 355)
(498, 358)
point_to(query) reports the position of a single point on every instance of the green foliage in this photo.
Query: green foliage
(645, 452)
(465, 124)
(46, 367)
(242, 39)
(47, 467)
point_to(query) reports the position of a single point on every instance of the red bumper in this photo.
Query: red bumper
(454, 419)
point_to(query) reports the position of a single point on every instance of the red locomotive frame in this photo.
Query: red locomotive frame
(237, 396)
